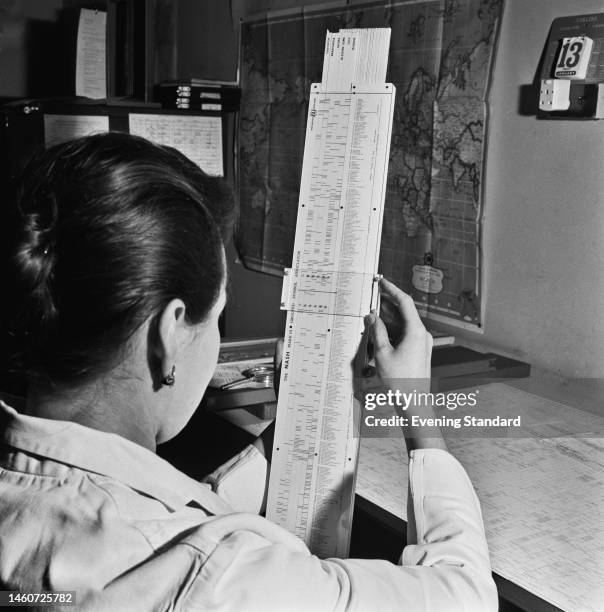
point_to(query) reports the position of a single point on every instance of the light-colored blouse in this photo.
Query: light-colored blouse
(90, 511)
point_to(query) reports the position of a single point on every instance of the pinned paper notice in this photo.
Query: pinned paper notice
(427, 279)
(91, 67)
(59, 128)
(199, 138)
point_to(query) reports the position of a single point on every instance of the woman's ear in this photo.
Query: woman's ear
(171, 324)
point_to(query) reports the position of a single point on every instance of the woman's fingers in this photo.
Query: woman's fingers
(411, 357)
(390, 314)
(277, 359)
(403, 301)
(278, 356)
(378, 332)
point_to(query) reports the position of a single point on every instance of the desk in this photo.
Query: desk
(451, 368)
(542, 498)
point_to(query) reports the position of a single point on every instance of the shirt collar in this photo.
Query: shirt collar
(107, 454)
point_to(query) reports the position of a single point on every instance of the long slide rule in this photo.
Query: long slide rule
(330, 287)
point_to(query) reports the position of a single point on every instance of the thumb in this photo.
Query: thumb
(278, 356)
(378, 331)
(277, 359)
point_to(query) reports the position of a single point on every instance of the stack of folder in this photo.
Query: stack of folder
(199, 95)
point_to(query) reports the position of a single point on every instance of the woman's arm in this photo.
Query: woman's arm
(264, 442)
(246, 490)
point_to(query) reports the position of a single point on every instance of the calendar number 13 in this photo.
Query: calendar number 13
(570, 54)
(573, 57)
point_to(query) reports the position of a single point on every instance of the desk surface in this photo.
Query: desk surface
(542, 497)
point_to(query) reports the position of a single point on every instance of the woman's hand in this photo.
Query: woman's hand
(406, 366)
(410, 358)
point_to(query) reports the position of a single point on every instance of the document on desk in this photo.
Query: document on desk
(331, 285)
(197, 137)
(542, 498)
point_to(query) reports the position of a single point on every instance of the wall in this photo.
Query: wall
(208, 42)
(25, 57)
(544, 213)
(543, 217)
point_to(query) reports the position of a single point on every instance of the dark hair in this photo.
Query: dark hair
(109, 229)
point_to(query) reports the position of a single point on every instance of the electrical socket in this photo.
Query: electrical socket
(554, 95)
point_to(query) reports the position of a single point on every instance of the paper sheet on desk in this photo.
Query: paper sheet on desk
(230, 372)
(542, 502)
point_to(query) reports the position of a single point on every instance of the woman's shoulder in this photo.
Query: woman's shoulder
(77, 528)
(58, 527)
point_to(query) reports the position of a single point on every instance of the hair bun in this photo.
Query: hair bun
(34, 261)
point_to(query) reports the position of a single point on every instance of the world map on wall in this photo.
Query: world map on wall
(440, 62)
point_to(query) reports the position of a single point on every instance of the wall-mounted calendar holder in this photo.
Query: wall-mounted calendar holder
(572, 74)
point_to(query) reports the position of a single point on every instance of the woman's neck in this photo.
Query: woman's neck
(120, 411)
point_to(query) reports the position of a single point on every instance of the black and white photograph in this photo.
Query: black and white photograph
(301, 305)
